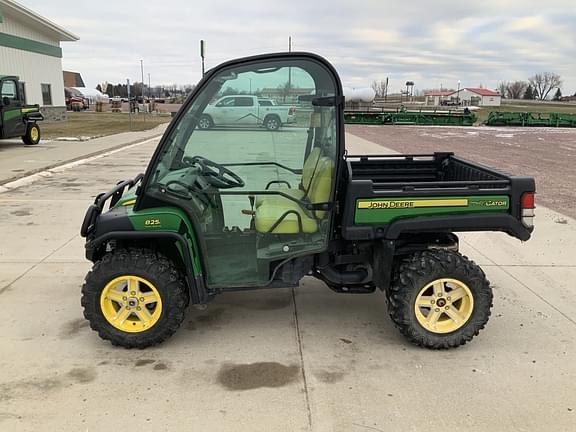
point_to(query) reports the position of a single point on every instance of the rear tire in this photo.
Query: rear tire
(272, 123)
(419, 299)
(205, 122)
(156, 275)
(32, 136)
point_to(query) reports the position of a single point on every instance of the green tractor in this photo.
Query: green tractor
(242, 208)
(16, 118)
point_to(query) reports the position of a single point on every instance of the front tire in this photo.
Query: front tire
(439, 299)
(134, 298)
(32, 136)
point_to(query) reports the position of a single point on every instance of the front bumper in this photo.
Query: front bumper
(95, 210)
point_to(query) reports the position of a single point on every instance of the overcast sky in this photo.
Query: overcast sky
(432, 43)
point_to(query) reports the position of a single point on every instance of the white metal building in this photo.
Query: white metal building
(468, 96)
(479, 97)
(30, 49)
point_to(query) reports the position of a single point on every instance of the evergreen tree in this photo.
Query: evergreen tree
(529, 93)
(558, 95)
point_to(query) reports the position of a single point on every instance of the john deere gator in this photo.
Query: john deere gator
(237, 209)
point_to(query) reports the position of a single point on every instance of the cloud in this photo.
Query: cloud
(431, 43)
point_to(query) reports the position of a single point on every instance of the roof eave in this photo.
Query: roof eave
(64, 35)
(475, 91)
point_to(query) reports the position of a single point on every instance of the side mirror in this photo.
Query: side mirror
(6, 101)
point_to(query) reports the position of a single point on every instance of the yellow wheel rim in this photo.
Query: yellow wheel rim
(444, 305)
(34, 133)
(131, 304)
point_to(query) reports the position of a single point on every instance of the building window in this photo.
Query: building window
(46, 94)
(22, 85)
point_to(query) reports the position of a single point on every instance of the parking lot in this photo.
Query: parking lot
(548, 154)
(306, 359)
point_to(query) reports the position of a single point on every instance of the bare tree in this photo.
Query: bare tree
(380, 87)
(544, 82)
(502, 88)
(285, 90)
(516, 89)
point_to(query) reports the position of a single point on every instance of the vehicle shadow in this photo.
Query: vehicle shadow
(12, 143)
(318, 310)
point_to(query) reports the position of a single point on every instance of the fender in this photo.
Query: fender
(195, 283)
(449, 223)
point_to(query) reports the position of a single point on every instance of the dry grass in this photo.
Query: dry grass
(79, 124)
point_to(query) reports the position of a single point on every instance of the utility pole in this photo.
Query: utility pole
(289, 68)
(149, 88)
(129, 103)
(202, 54)
(142, 72)
(386, 90)
(458, 94)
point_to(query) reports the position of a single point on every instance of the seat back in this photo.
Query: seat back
(321, 184)
(309, 167)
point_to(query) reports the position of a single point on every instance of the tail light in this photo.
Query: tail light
(292, 111)
(527, 205)
(528, 200)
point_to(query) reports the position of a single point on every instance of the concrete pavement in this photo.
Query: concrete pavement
(277, 360)
(18, 160)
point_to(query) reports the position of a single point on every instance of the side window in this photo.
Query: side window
(226, 102)
(46, 94)
(244, 102)
(265, 103)
(249, 183)
(9, 90)
(267, 152)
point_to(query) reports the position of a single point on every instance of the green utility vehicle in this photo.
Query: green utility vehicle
(16, 118)
(232, 210)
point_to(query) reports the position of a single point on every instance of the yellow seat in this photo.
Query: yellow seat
(307, 174)
(279, 215)
(270, 212)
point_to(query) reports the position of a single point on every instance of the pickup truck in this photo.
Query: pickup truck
(16, 118)
(246, 110)
(75, 101)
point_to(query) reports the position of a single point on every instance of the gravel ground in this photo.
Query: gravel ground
(545, 153)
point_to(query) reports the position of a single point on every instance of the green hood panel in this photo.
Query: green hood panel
(128, 199)
(170, 219)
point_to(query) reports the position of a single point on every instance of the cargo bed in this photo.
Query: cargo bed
(437, 191)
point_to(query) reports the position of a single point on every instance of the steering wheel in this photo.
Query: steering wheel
(217, 175)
